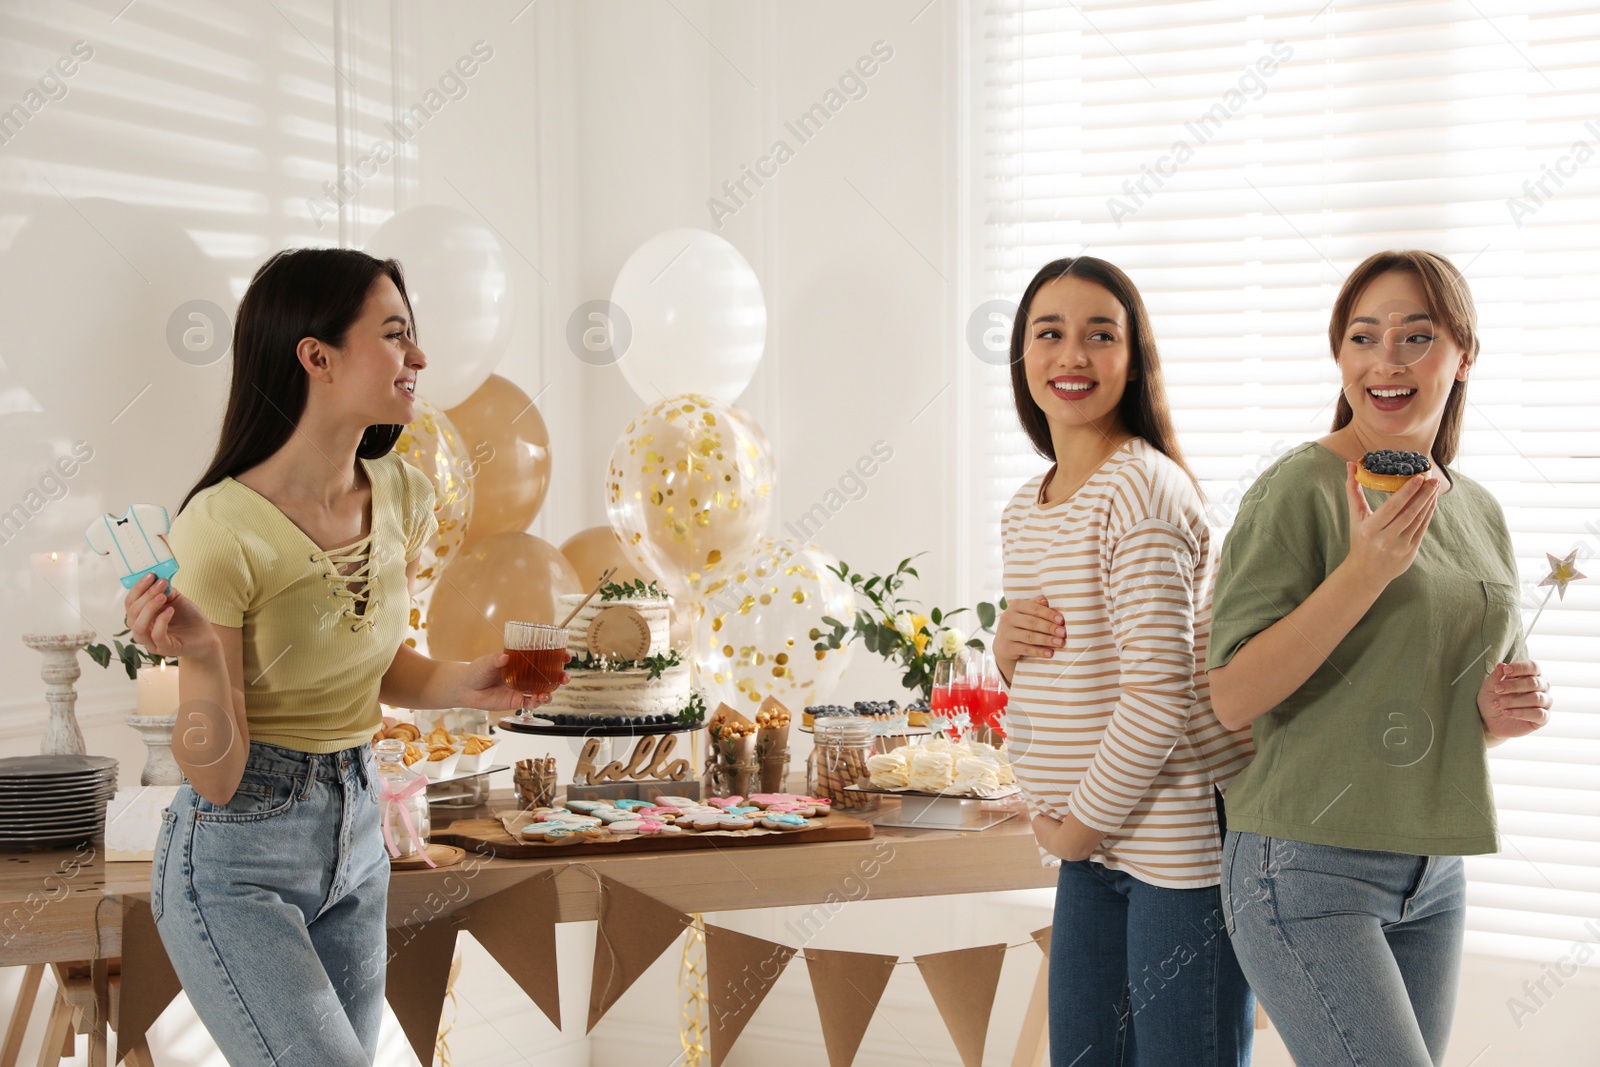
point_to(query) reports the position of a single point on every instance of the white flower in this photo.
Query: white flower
(904, 623)
(949, 642)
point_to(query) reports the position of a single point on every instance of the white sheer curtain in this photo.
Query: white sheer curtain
(1238, 168)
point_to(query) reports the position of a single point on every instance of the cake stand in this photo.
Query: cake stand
(941, 811)
(601, 728)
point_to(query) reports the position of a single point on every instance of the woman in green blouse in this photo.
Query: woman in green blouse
(1374, 644)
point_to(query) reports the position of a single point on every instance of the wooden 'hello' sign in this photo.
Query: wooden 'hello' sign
(649, 762)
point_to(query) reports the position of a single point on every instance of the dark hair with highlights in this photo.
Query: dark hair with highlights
(1449, 300)
(1143, 408)
(298, 293)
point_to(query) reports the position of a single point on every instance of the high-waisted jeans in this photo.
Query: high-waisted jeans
(272, 908)
(1143, 976)
(1356, 954)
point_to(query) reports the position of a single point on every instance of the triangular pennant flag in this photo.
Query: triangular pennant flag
(740, 971)
(419, 973)
(1042, 939)
(633, 930)
(963, 985)
(518, 928)
(847, 986)
(148, 981)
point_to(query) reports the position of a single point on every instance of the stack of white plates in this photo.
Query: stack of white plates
(54, 801)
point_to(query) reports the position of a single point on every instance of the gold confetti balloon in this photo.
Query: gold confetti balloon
(759, 624)
(432, 444)
(689, 487)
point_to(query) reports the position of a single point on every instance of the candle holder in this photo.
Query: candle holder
(160, 768)
(60, 671)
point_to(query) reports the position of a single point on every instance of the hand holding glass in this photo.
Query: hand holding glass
(536, 653)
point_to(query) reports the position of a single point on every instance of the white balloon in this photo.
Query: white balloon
(114, 371)
(697, 318)
(460, 291)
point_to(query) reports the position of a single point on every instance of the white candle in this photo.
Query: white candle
(158, 690)
(55, 594)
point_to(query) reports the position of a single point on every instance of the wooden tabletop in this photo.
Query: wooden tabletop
(64, 905)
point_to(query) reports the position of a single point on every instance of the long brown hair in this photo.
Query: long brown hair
(1143, 407)
(1449, 300)
(298, 293)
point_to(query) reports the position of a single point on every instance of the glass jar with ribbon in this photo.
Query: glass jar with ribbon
(403, 803)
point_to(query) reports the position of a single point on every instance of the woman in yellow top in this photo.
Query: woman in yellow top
(296, 551)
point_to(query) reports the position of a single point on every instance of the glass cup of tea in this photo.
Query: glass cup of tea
(537, 654)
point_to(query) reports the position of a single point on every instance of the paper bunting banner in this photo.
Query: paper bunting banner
(740, 971)
(1042, 939)
(963, 985)
(518, 928)
(149, 983)
(419, 973)
(847, 987)
(633, 931)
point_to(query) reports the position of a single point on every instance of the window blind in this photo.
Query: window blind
(1238, 168)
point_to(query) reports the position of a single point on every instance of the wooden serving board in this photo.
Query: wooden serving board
(490, 837)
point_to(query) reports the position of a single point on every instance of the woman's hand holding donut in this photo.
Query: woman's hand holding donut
(1384, 542)
(1027, 628)
(164, 621)
(1514, 700)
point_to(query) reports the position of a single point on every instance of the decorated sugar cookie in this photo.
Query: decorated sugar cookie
(136, 541)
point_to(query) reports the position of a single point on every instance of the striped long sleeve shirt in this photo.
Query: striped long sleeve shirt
(1116, 726)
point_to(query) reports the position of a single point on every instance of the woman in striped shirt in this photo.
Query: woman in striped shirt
(1108, 567)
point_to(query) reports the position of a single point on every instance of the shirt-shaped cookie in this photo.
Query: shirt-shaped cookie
(137, 541)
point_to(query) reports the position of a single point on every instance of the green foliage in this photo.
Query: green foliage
(130, 655)
(637, 589)
(875, 626)
(656, 664)
(695, 710)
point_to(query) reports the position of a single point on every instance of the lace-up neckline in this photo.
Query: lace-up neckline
(353, 590)
(352, 587)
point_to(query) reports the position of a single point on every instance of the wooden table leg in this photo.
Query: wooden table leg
(57, 1034)
(100, 979)
(31, 976)
(1034, 1041)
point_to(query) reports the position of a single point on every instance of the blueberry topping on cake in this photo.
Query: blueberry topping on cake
(823, 711)
(1395, 462)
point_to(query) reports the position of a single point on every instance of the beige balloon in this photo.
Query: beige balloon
(510, 449)
(504, 577)
(593, 550)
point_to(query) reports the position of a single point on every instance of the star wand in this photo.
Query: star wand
(1563, 572)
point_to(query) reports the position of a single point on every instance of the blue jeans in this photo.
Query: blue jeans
(1142, 976)
(1355, 954)
(273, 908)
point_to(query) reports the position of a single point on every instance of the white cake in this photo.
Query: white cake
(603, 691)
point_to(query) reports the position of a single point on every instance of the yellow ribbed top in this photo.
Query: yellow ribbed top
(317, 641)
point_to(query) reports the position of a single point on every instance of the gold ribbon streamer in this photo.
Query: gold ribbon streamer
(694, 1016)
(441, 1048)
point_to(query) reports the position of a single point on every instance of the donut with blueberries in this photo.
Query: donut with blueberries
(1388, 469)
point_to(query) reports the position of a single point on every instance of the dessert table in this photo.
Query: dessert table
(49, 916)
